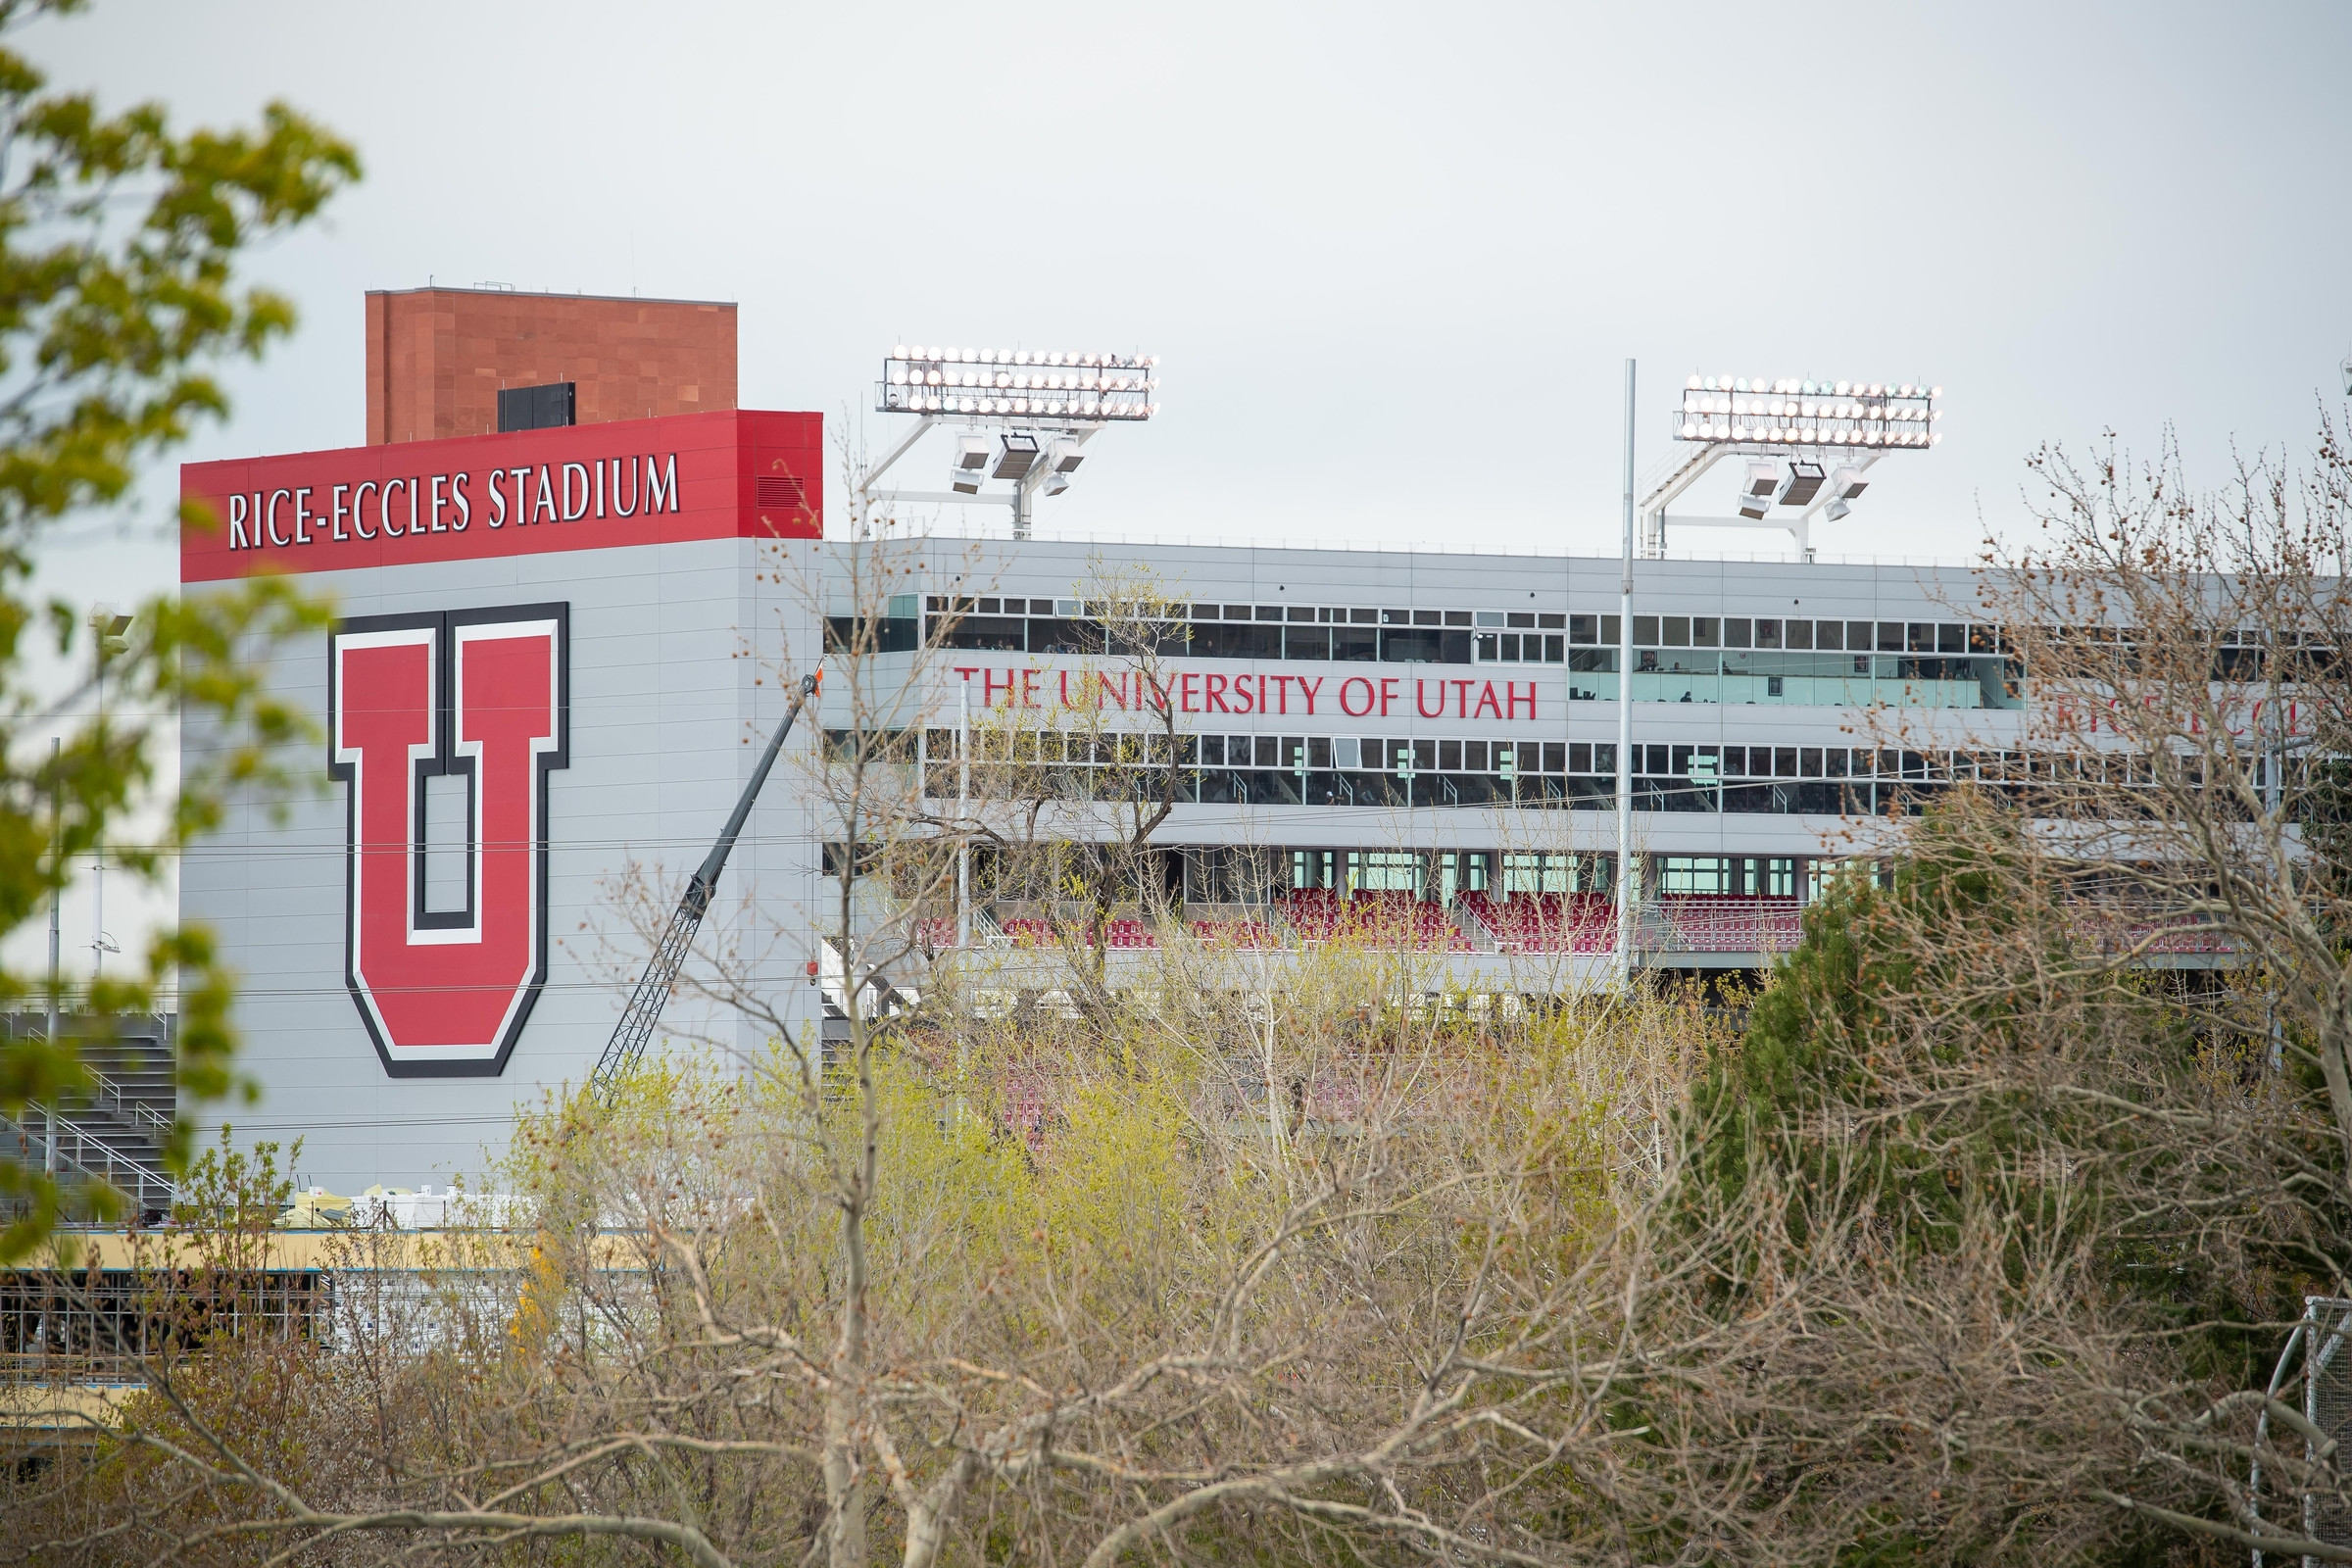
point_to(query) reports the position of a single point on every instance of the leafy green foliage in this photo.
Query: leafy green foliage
(119, 300)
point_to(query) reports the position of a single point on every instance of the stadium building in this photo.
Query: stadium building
(568, 573)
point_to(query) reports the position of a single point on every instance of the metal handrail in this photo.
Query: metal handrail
(118, 1162)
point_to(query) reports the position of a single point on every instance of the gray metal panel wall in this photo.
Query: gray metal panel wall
(674, 657)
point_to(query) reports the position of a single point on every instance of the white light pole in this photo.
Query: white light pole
(1045, 408)
(57, 900)
(963, 805)
(1627, 883)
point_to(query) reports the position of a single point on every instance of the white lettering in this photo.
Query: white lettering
(653, 487)
(498, 499)
(337, 516)
(543, 499)
(302, 515)
(359, 507)
(457, 490)
(270, 518)
(619, 510)
(385, 510)
(439, 501)
(575, 513)
(236, 522)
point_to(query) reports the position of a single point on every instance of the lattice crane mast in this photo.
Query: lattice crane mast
(644, 1012)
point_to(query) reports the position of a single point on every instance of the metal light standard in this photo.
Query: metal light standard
(1043, 407)
(1627, 883)
(1808, 446)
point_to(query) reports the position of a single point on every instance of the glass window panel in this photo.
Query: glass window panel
(1646, 630)
(1556, 756)
(1583, 629)
(1797, 634)
(1610, 627)
(1828, 634)
(1768, 633)
(1736, 632)
(1706, 631)
(1677, 631)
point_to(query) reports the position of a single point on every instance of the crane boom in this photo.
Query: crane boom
(637, 1020)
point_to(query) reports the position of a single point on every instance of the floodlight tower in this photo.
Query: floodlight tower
(1042, 407)
(1808, 445)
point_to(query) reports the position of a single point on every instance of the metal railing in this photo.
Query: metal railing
(147, 1188)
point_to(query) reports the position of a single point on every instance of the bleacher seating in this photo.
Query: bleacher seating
(1236, 933)
(1030, 933)
(1120, 934)
(1731, 922)
(1392, 920)
(1547, 922)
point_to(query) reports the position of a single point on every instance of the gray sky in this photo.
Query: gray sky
(1393, 258)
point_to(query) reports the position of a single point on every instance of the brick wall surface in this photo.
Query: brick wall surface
(437, 357)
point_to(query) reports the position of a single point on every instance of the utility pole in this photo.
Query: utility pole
(1626, 882)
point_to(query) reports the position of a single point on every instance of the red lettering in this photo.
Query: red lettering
(989, 684)
(1281, 694)
(1346, 690)
(1307, 687)
(1062, 676)
(1184, 686)
(1029, 688)
(1159, 693)
(1462, 698)
(1421, 705)
(1387, 694)
(967, 671)
(1116, 694)
(1510, 690)
(1243, 694)
(1487, 703)
(1213, 686)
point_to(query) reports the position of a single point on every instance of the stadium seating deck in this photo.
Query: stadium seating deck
(1381, 919)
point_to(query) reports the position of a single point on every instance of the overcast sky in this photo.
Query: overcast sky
(1393, 258)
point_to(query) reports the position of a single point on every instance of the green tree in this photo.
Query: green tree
(118, 303)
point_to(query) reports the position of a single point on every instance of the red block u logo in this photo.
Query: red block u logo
(480, 695)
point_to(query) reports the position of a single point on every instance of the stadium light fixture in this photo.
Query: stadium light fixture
(1804, 424)
(1016, 453)
(1045, 402)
